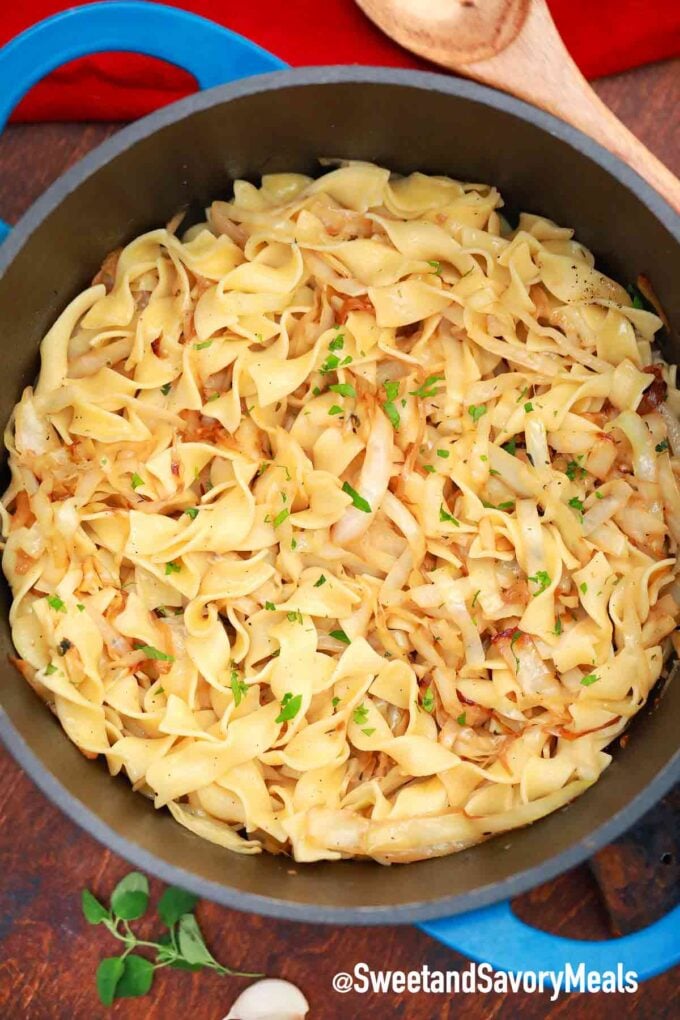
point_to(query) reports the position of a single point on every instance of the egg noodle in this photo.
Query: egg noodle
(347, 524)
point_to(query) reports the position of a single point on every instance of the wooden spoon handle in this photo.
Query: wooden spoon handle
(537, 66)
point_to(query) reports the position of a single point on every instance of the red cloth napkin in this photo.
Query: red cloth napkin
(604, 36)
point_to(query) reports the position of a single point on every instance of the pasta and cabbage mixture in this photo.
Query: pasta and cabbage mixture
(346, 524)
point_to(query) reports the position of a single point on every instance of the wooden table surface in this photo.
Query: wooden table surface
(48, 954)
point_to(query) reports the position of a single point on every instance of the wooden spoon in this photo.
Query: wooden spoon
(515, 46)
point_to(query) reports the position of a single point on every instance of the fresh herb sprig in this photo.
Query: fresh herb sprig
(183, 946)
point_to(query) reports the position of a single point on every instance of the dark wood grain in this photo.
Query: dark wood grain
(48, 954)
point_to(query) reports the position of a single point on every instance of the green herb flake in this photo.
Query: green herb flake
(80, 607)
(474, 601)
(290, 706)
(345, 389)
(54, 602)
(558, 626)
(153, 653)
(476, 411)
(49, 670)
(444, 515)
(662, 446)
(335, 409)
(165, 388)
(369, 731)
(172, 568)
(509, 505)
(576, 504)
(444, 454)
(316, 392)
(588, 681)
(239, 688)
(427, 390)
(360, 715)
(335, 702)
(357, 501)
(541, 578)
(393, 416)
(428, 700)
(635, 297)
(340, 635)
(270, 607)
(430, 468)
(574, 469)
(192, 512)
(435, 265)
(391, 387)
(294, 616)
(281, 517)
(510, 447)
(330, 364)
(203, 346)
(598, 494)
(528, 406)
(583, 587)
(321, 580)
(461, 719)
(136, 481)
(337, 343)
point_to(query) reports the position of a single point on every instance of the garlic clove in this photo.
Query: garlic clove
(270, 999)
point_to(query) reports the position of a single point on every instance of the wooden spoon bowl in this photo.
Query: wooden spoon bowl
(514, 45)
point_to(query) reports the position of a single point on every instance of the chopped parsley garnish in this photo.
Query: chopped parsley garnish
(523, 392)
(598, 494)
(662, 446)
(583, 587)
(270, 606)
(290, 706)
(153, 653)
(391, 387)
(474, 601)
(330, 364)
(513, 641)
(577, 504)
(136, 481)
(574, 469)
(429, 468)
(509, 505)
(426, 390)
(435, 265)
(316, 392)
(80, 607)
(444, 515)
(528, 406)
(294, 616)
(428, 700)
(588, 681)
(541, 578)
(340, 635)
(558, 626)
(369, 731)
(172, 568)
(357, 501)
(49, 670)
(635, 297)
(54, 602)
(360, 715)
(335, 702)
(281, 516)
(476, 411)
(337, 343)
(165, 388)
(192, 511)
(321, 580)
(335, 409)
(239, 688)
(345, 389)
(461, 719)
(203, 346)
(443, 454)
(510, 447)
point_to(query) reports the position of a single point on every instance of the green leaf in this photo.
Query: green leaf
(320, 581)
(426, 389)
(270, 607)
(137, 977)
(476, 411)
(203, 346)
(192, 512)
(336, 409)
(360, 715)
(358, 501)
(435, 265)
(445, 516)
(338, 343)
(340, 635)
(174, 903)
(281, 516)
(109, 973)
(461, 719)
(589, 680)
(330, 364)
(130, 898)
(191, 943)
(528, 406)
(662, 446)
(172, 568)
(290, 706)
(542, 579)
(391, 387)
(239, 688)
(345, 389)
(93, 910)
(54, 602)
(393, 416)
(510, 447)
(428, 700)
(165, 388)
(153, 653)
(136, 481)
(444, 454)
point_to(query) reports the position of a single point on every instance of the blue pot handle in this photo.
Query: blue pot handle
(212, 54)
(494, 935)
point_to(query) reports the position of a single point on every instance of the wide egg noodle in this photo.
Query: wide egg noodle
(346, 524)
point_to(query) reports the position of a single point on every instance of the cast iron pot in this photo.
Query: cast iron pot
(185, 156)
